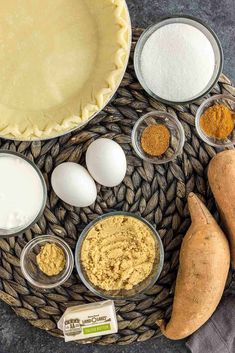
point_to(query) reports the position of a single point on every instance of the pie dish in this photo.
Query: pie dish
(60, 63)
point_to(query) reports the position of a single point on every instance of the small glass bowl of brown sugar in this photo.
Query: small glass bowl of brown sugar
(46, 261)
(158, 137)
(215, 121)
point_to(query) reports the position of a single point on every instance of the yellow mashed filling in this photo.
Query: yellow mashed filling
(118, 253)
(51, 259)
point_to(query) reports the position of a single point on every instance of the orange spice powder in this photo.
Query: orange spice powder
(217, 121)
(155, 140)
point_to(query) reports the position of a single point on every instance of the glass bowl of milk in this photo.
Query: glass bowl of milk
(23, 193)
(178, 60)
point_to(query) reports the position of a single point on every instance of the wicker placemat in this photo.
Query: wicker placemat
(158, 193)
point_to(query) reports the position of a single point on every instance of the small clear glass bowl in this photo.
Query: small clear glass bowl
(177, 138)
(229, 102)
(120, 294)
(29, 266)
(4, 233)
(189, 20)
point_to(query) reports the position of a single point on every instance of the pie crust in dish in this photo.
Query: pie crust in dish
(60, 63)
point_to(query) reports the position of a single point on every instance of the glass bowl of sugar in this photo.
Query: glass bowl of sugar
(178, 60)
(23, 193)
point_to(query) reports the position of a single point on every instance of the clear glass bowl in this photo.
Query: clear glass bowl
(19, 230)
(177, 138)
(31, 270)
(207, 31)
(226, 100)
(120, 294)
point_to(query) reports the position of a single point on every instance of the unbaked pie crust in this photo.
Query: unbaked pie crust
(60, 62)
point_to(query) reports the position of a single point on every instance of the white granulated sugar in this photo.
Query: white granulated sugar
(177, 62)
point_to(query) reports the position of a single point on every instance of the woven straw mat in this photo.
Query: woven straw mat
(157, 193)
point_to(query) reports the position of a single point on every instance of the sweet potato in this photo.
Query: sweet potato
(221, 175)
(202, 274)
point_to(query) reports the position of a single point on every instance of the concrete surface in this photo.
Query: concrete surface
(15, 333)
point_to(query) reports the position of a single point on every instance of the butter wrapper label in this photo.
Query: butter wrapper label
(89, 320)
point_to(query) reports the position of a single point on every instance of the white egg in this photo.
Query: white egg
(74, 185)
(106, 162)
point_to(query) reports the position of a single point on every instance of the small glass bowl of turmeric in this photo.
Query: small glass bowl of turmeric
(46, 261)
(215, 121)
(158, 137)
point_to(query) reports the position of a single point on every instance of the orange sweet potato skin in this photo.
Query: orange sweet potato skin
(221, 175)
(202, 274)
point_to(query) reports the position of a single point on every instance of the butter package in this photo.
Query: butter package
(88, 320)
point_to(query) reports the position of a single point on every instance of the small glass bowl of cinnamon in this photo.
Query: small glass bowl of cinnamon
(158, 137)
(215, 121)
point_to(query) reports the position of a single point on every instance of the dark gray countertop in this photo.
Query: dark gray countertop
(15, 333)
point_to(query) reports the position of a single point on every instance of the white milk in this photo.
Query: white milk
(21, 192)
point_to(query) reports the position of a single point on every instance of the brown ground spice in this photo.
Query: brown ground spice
(217, 121)
(155, 140)
(51, 259)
